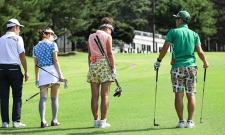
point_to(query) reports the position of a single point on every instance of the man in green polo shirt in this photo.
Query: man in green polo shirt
(184, 70)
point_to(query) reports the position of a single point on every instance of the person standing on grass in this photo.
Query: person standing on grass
(99, 72)
(45, 56)
(12, 55)
(184, 70)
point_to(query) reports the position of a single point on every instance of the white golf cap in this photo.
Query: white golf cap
(51, 31)
(13, 22)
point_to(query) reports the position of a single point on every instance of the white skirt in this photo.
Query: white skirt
(46, 78)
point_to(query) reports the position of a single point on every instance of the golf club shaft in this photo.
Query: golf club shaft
(155, 93)
(39, 92)
(47, 71)
(99, 44)
(64, 80)
(203, 94)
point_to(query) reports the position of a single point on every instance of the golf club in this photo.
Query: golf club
(203, 95)
(155, 95)
(118, 90)
(64, 80)
(40, 92)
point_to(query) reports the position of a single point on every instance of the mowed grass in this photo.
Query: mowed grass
(133, 112)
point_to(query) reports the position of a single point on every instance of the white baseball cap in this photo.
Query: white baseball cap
(13, 22)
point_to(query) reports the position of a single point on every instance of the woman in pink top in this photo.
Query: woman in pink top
(99, 72)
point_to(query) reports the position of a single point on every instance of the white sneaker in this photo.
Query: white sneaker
(180, 124)
(103, 124)
(96, 123)
(18, 124)
(190, 124)
(5, 124)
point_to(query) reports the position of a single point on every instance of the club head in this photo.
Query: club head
(201, 120)
(155, 123)
(65, 83)
(118, 92)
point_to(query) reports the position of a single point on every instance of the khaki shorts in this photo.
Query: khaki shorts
(184, 78)
(99, 72)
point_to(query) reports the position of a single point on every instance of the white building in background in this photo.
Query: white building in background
(143, 43)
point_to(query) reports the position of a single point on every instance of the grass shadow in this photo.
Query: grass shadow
(38, 130)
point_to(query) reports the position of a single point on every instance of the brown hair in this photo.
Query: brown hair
(42, 32)
(106, 20)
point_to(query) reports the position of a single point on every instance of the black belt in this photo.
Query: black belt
(10, 64)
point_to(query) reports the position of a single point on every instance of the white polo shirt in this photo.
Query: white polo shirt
(11, 45)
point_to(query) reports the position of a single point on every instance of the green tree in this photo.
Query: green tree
(124, 32)
(27, 15)
(218, 37)
(68, 17)
(201, 12)
(98, 9)
(135, 13)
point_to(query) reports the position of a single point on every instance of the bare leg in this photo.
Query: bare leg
(191, 105)
(105, 88)
(94, 99)
(55, 104)
(179, 104)
(55, 90)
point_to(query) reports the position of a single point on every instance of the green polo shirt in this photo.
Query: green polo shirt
(183, 41)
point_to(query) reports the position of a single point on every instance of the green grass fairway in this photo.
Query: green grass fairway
(133, 112)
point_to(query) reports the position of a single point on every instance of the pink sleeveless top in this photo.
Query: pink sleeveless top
(95, 52)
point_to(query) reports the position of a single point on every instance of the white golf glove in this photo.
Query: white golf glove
(37, 83)
(114, 73)
(157, 64)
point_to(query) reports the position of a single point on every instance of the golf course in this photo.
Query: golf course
(133, 112)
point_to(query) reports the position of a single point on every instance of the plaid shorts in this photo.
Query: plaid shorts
(99, 72)
(184, 78)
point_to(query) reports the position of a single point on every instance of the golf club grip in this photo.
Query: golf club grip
(100, 43)
(102, 51)
(157, 74)
(98, 46)
(47, 71)
(32, 96)
(204, 74)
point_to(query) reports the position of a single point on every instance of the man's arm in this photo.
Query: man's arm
(163, 50)
(161, 55)
(201, 55)
(24, 64)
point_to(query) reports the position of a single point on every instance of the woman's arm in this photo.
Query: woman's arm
(36, 69)
(89, 55)
(110, 53)
(57, 66)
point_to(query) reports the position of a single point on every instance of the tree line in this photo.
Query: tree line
(80, 18)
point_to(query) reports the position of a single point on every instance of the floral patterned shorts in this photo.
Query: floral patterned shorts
(184, 78)
(99, 72)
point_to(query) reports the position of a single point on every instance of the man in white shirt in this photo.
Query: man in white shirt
(12, 55)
